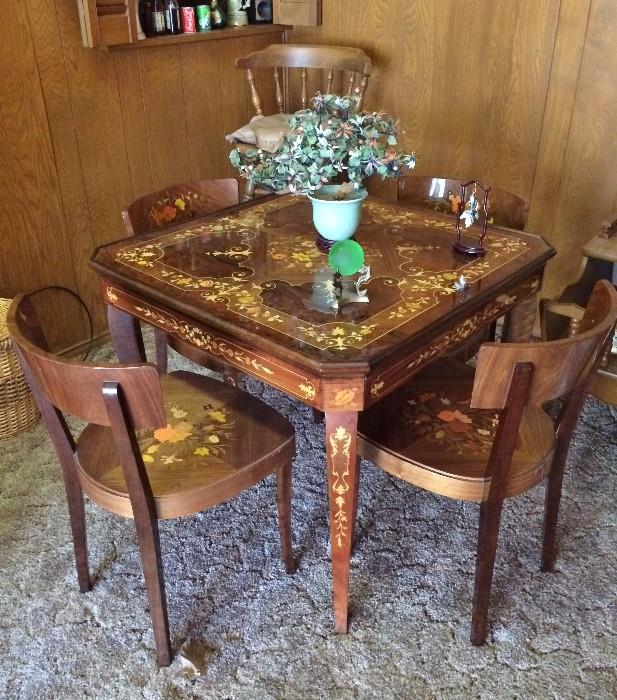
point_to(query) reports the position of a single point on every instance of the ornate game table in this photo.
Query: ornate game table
(239, 285)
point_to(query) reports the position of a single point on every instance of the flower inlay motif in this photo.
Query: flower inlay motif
(241, 257)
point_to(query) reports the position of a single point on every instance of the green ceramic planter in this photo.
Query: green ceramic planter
(334, 219)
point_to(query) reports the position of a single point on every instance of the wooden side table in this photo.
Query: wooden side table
(562, 316)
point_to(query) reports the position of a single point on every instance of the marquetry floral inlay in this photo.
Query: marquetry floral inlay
(250, 255)
(193, 434)
(203, 340)
(340, 443)
(308, 390)
(456, 335)
(447, 422)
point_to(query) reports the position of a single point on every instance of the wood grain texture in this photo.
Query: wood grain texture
(85, 132)
(229, 441)
(32, 225)
(518, 94)
(208, 150)
(588, 191)
(558, 112)
(132, 104)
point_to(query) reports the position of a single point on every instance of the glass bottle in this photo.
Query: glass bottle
(157, 17)
(172, 17)
(218, 17)
(145, 18)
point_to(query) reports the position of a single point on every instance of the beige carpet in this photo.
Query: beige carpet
(270, 635)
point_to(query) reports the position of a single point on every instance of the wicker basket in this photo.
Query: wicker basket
(18, 410)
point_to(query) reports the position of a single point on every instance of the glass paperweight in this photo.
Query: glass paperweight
(346, 257)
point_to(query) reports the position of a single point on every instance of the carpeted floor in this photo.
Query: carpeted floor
(270, 635)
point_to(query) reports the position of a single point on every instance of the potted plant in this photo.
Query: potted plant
(328, 153)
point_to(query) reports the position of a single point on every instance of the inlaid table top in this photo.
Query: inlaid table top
(253, 269)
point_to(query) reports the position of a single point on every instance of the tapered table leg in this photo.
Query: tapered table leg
(341, 437)
(126, 335)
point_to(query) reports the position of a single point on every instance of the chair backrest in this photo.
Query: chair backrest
(178, 203)
(76, 387)
(334, 59)
(560, 367)
(443, 194)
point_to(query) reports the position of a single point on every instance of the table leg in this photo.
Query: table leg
(126, 336)
(341, 437)
(521, 320)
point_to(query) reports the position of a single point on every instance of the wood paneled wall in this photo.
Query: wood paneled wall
(84, 131)
(519, 93)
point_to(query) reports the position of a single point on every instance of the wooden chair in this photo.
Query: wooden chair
(168, 207)
(561, 316)
(486, 437)
(178, 203)
(443, 194)
(154, 447)
(341, 63)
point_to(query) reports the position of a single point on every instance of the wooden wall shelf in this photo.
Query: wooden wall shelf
(250, 30)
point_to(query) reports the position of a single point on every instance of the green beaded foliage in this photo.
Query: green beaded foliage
(332, 142)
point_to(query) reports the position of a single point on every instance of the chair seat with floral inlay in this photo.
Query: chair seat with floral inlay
(210, 440)
(435, 439)
(427, 432)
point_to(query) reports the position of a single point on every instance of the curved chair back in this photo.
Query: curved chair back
(76, 387)
(335, 59)
(440, 193)
(560, 367)
(179, 202)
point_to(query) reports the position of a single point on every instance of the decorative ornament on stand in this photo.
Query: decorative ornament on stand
(346, 258)
(469, 213)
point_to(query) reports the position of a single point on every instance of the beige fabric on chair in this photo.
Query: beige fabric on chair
(350, 67)
(266, 133)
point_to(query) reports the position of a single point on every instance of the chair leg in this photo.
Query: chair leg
(283, 501)
(77, 516)
(160, 346)
(150, 548)
(488, 533)
(249, 191)
(551, 513)
(317, 416)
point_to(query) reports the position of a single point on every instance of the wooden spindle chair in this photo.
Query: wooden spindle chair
(223, 441)
(485, 437)
(170, 206)
(345, 64)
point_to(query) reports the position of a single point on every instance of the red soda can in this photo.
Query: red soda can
(187, 20)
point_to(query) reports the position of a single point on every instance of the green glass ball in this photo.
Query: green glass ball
(346, 257)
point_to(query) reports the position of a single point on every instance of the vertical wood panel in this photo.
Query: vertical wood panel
(48, 50)
(565, 70)
(203, 102)
(234, 91)
(161, 79)
(98, 124)
(588, 191)
(134, 122)
(32, 226)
